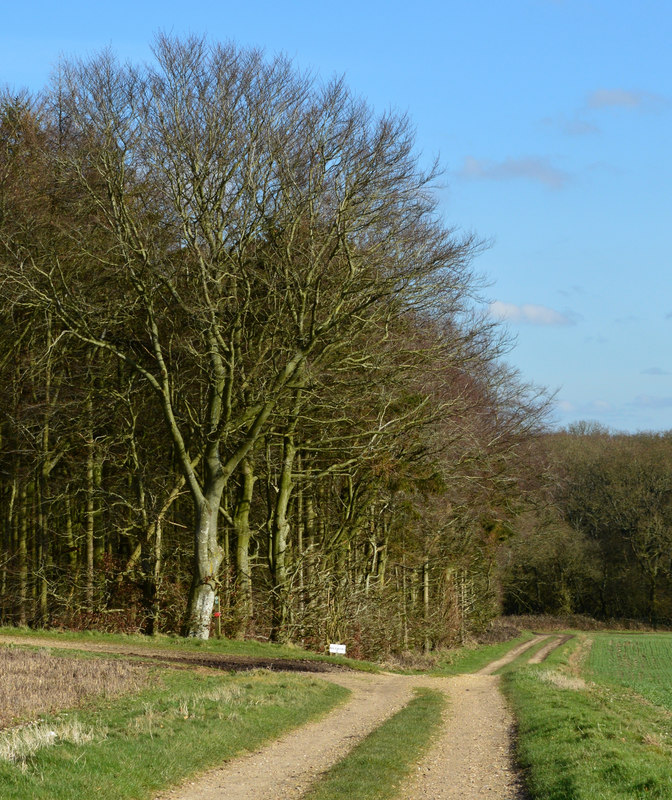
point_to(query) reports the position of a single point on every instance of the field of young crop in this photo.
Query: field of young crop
(641, 662)
(594, 720)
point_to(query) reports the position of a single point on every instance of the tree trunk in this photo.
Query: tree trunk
(278, 548)
(241, 522)
(425, 603)
(22, 616)
(653, 600)
(208, 557)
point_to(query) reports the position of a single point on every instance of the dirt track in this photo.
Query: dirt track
(470, 758)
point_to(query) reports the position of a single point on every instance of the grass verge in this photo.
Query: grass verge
(130, 748)
(375, 769)
(590, 739)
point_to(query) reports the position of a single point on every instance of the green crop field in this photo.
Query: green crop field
(594, 719)
(641, 662)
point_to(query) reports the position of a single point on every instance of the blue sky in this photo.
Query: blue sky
(553, 122)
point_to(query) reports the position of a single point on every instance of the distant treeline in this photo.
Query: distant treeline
(601, 542)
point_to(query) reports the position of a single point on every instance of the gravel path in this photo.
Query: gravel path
(493, 666)
(470, 758)
(285, 768)
(548, 648)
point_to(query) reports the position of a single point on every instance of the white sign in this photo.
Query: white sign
(337, 649)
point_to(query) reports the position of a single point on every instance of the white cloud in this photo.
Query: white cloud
(534, 169)
(529, 313)
(573, 126)
(625, 98)
(589, 409)
(650, 401)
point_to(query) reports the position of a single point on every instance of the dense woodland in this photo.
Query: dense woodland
(243, 371)
(600, 543)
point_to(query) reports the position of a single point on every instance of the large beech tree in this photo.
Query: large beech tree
(222, 225)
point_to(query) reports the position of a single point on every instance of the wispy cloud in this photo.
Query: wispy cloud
(528, 313)
(604, 98)
(588, 409)
(636, 100)
(539, 170)
(575, 290)
(573, 126)
(655, 371)
(651, 401)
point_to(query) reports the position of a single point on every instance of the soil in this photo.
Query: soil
(227, 662)
(471, 758)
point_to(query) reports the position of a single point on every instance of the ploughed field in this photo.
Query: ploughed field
(35, 682)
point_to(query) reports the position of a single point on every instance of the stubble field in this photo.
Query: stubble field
(74, 727)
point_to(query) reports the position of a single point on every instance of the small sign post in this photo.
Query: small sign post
(337, 649)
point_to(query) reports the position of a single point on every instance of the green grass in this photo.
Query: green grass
(471, 659)
(375, 769)
(148, 741)
(600, 740)
(249, 648)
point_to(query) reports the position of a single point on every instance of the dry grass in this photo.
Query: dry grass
(36, 682)
(410, 660)
(578, 657)
(562, 681)
(19, 744)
